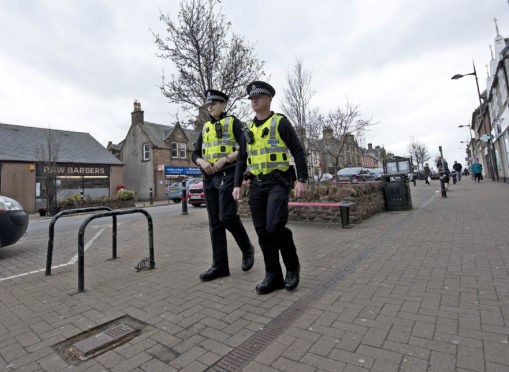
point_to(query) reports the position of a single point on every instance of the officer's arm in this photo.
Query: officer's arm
(289, 136)
(197, 149)
(196, 158)
(240, 166)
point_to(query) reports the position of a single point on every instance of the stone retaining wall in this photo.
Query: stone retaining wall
(368, 198)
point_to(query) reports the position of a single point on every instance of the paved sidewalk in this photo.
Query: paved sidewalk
(422, 290)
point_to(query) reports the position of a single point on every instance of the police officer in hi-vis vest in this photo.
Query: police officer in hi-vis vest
(265, 151)
(216, 152)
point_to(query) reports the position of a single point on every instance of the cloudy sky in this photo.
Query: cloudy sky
(79, 65)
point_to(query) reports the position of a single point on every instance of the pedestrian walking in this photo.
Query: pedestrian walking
(443, 168)
(269, 141)
(216, 153)
(477, 171)
(457, 168)
(427, 174)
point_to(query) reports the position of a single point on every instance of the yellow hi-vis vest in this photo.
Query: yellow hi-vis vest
(269, 152)
(214, 148)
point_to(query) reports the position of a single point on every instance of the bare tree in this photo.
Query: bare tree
(296, 102)
(339, 127)
(419, 153)
(206, 55)
(48, 155)
(296, 106)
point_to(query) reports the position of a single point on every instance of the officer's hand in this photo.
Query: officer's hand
(219, 164)
(300, 189)
(236, 193)
(206, 166)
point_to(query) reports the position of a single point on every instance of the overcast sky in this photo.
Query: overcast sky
(79, 65)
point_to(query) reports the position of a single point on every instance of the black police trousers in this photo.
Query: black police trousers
(268, 202)
(222, 211)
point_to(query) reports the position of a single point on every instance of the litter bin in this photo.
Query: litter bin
(397, 192)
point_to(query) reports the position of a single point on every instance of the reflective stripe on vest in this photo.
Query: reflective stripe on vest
(214, 148)
(267, 153)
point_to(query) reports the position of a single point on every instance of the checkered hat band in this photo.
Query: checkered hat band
(258, 91)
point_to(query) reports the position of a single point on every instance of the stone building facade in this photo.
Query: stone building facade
(149, 151)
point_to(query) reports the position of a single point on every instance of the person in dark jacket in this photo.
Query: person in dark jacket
(442, 165)
(427, 173)
(215, 153)
(457, 168)
(265, 152)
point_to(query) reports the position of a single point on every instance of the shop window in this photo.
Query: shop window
(174, 150)
(146, 151)
(182, 150)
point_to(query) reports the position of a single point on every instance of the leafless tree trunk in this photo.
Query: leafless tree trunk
(296, 106)
(419, 153)
(48, 156)
(205, 55)
(339, 126)
(296, 102)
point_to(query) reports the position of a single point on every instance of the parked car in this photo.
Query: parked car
(377, 173)
(13, 221)
(196, 195)
(175, 189)
(355, 174)
(324, 177)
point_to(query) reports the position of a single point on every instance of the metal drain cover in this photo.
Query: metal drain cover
(109, 338)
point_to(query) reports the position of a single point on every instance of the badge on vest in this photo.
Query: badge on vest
(273, 141)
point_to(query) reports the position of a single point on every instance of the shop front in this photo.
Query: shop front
(93, 181)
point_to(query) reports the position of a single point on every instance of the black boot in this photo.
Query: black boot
(292, 279)
(248, 258)
(271, 283)
(214, 273)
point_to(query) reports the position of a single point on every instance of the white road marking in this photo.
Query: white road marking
(89, 243)
(70, 262)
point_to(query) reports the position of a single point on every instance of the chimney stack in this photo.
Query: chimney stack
(137, 114)
(327, 133)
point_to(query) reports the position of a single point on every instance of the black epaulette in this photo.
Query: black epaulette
(283, 115)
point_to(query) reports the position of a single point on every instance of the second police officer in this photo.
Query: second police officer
(215, 152)
(265, 151)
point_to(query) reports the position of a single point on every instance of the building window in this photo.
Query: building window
(183, 150)
(146, 151)
(174, 150)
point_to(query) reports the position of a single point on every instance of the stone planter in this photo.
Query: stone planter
(368, 198)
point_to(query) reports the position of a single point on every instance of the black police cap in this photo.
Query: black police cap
(213, 95)
(257, 88)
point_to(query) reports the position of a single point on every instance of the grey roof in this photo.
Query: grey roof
(20, 143)
(157, 133)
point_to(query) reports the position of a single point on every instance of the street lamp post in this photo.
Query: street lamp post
(471, 143)
(490, 152)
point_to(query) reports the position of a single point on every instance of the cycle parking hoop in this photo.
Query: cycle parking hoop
(81, 239)
(51, 232)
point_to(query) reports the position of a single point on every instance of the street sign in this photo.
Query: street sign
(181, 170)
(485, 137)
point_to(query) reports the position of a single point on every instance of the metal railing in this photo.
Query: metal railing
(51, 234)
(81, 240)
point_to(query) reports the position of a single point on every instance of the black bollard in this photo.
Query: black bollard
(151, 198)
(81, 198)
(184, 197)
(442, 185)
